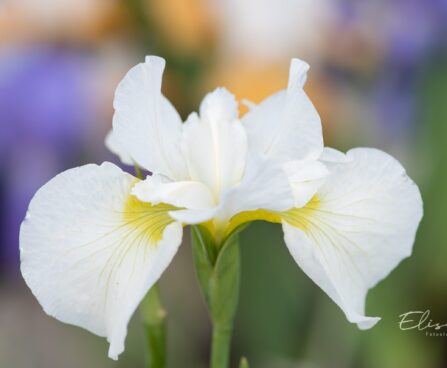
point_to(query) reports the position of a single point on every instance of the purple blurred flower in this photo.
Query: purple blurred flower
(407, 35)
(395, 102)
(408, 30)
(45, 111)
(414, 30)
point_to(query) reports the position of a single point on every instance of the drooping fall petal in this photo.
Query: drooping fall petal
(357, 229)
(90, 251)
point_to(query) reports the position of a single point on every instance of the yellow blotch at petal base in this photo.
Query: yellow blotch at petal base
(298, 217)
(146, 219)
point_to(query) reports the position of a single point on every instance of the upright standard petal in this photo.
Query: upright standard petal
(286, 124)
(115, 146)
(358, 228)
(90, 251)
(145, 122)
(215, 144)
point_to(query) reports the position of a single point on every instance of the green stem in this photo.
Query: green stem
(243, 363)
(154, 323)
(220, 347)
(218, 271)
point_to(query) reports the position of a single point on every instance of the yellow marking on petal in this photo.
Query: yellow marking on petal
(298, 217)
(147, 219)
(249, 216)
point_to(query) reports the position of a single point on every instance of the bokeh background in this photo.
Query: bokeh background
(378, 78)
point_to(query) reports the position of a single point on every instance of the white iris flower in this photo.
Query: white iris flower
(96, 239)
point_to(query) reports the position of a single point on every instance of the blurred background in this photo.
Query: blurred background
(378, 78)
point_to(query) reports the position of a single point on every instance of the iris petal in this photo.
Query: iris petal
(90, 250)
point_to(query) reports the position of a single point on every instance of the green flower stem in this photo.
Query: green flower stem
(220, 347)
(218, 271)
(243, 363)
(153, 316)
(154, 323)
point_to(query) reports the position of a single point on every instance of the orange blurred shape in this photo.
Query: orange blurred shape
(48, 20)
(186, 25)
(249, 81)
(254, 82)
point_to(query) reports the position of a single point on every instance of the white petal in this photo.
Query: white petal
(188, 194)
(286, 124)
(305, 177)
(361, 226)
(250, 104)
(146, 123)
(194, 216)
(115, 146)
(298, 73)
(90, 251)
(215, 144)
(218, 107)
(334, 156)
(265, 185)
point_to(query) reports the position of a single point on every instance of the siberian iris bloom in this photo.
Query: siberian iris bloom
(96, 239)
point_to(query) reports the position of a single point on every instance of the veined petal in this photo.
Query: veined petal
(358, 228)
(215, 144)
(90, 251)
(115, 146)
(145, 122)
(183, 194)
(286, 124)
